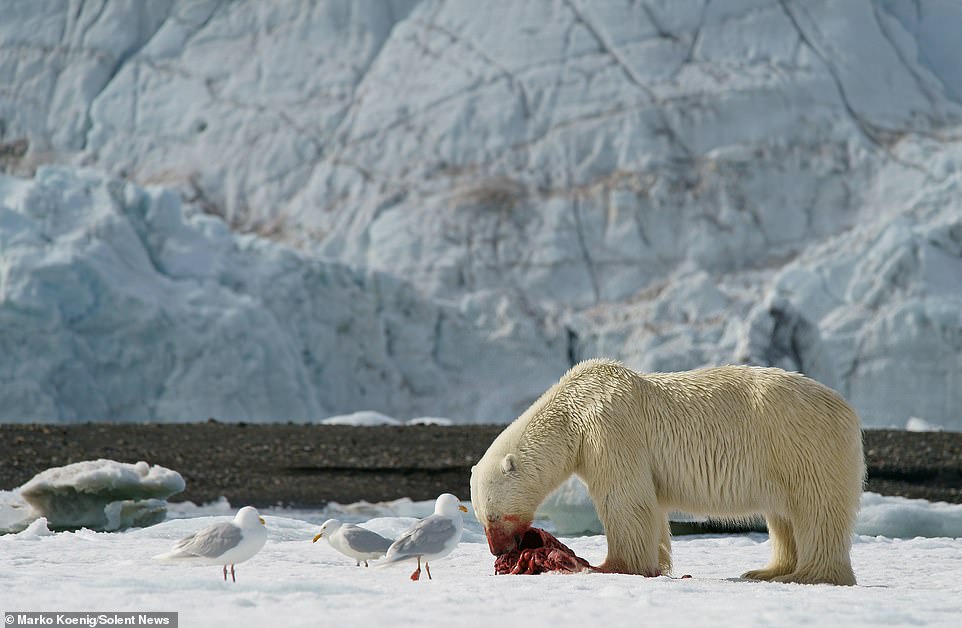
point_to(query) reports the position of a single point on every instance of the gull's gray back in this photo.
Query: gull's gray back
(364, 540)
(430, 536)
(211, 542)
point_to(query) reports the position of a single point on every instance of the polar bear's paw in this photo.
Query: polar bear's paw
(841, 575)
(768, 573)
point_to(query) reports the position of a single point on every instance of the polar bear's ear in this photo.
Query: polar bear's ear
(509, 464)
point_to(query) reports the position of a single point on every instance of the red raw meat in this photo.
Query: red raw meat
(539, 552)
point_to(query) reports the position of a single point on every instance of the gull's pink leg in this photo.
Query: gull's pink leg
(428, 567)
(417, 572)
(225, 573)
(232, 573)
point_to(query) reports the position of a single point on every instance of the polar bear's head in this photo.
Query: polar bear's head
(528, 460)
(511, 480)
(504, 500)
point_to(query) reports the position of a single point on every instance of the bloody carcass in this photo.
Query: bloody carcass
(537, 552)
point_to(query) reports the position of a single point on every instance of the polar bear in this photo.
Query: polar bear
(728, 442)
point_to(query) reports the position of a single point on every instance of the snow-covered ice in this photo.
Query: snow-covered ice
(36, 529)
(369, 418)
(899, 517)
(98, 494)
(915, 424)
(292, 582)
(15, 513)
(362, 418)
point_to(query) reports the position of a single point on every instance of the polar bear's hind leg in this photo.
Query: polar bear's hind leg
(823, 549)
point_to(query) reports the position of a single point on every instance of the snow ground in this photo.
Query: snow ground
(292, 582)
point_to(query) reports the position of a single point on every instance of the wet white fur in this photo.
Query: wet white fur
(730, 442)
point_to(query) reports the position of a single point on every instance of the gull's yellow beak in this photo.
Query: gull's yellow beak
(261, 519)
(462, 508)
(319, 535)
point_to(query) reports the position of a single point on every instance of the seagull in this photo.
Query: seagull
(431, 538)
(225, 543)
(354, 541)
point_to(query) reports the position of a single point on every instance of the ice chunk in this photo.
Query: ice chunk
(102, 494)
(900, 517)
(15, 513)
(366, 418)
(571, 510)
(915, 424)
(36, 529)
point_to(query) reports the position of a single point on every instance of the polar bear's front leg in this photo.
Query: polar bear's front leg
(784, 554)
(636, 529)
(664, 548)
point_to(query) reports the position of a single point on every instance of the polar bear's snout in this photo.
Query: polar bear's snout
(505, 533)
(494, 497)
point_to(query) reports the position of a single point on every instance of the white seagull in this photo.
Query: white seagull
(431, 538)
(354, 541)
(226, 543)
